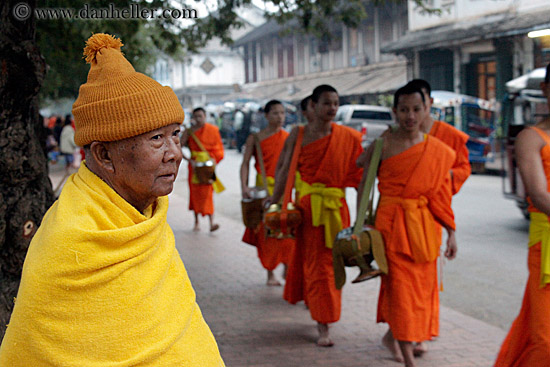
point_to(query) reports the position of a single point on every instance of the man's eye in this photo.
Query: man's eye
(156, 137)
(176, 133)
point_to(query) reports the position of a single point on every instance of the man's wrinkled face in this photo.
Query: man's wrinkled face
(410, 111)
(146, 166)
(327, 106)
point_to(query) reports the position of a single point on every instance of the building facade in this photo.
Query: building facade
(474, 47)
(283, 64)
(216, 71)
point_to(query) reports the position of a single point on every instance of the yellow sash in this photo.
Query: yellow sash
(422, 232)
(270, 183)
(204, 157)
(539, 231)
(325, 206)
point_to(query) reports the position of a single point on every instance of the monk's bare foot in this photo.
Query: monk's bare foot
(214, 227)
(324, 340)
(271, 280)
(419, 349)
(389, 342)
(196, 228)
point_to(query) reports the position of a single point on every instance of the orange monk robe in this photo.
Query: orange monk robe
(409, 294)
(528, 342)
(461, 170)
(457, 140)
(310, 277)
(200, 196)
(271, 251)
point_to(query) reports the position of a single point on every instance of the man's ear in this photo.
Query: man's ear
(102, 155)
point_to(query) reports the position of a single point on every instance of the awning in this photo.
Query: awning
(371, 79)
(470, 30)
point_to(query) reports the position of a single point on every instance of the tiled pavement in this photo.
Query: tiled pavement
(255, 327)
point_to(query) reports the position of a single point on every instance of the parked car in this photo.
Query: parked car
(372, 121)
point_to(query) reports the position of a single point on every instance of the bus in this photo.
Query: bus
(472, 115)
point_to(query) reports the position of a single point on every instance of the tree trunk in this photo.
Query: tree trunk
(25, 189)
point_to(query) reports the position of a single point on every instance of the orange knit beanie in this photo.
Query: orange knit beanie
(117, 102)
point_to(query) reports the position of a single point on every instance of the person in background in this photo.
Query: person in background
(201, 200)
(413, 199)
(271, 251)
(307, 109)
(326, 166)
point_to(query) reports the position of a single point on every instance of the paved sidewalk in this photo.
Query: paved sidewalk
(255, 327)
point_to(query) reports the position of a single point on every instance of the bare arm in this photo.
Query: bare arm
(528, 146)
(245, 165)
(283, 165)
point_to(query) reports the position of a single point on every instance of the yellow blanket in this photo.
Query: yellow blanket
(104, 286)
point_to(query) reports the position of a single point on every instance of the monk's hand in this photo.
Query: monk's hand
(246, 192)
(267, 202)
(450, 252)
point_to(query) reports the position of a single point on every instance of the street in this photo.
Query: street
(487, 279)
(255, 327)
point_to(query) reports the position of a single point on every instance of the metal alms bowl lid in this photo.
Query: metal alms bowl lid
(258, 194)
(208, 163)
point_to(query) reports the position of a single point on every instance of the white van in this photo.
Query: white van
(371, 120)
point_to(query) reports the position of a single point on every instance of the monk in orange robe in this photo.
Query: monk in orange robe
(460, 171)
(200, 195)
(271, 251)
(413, 199)
(448, 134)
(326, 166)
(528, 342)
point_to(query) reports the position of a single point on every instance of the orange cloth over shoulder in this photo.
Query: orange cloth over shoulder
(200, 196)
(457, 140)
(271, 251)
(408, 299)
(310, 276)
(528, 341)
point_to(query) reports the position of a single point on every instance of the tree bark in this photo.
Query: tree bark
(25, 189)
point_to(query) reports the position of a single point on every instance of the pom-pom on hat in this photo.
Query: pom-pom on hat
(117, 102)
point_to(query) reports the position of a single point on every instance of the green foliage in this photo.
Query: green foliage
(61, 41)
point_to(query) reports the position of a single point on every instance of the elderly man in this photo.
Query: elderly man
(103, 283)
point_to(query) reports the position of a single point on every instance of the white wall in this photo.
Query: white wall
(455, 10)
(228, 70)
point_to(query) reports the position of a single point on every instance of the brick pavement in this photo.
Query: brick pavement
(255, 327)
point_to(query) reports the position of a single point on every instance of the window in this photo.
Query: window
(371, 115)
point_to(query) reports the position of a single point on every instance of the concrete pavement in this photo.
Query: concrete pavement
(255, 327)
